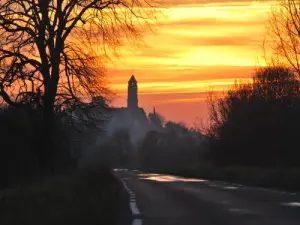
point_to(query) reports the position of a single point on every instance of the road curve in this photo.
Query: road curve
(172, 200)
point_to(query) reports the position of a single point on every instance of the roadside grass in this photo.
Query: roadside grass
(275, 178)
(90, 197)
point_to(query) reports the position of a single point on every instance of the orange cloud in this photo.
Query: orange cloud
(197, 45)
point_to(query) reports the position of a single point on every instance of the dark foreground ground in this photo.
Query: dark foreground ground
(91, 197)
(172, 200)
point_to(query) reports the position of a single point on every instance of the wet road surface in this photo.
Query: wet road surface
(158, 199)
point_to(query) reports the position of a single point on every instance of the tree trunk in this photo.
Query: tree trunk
(47, 151)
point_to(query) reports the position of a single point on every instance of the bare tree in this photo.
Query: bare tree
(49, 49)
(283, 35)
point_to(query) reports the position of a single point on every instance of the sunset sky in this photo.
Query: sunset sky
(199, 45)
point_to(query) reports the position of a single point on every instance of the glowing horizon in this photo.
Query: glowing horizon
(196, 48)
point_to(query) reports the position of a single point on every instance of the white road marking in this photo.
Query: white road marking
(132, 205)
(137, 222)
(292, 204)
(221, 184)
(241, 211)
(230, 187)
(135, 211)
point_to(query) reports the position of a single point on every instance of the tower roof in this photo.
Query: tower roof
(132, 79)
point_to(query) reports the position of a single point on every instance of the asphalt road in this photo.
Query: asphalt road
(157, 199)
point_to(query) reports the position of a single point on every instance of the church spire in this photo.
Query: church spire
(132, 96)
(132, 79)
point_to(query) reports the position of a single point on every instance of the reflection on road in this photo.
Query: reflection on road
(291, 204)
(166, 178)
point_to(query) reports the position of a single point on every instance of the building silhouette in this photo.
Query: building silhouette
(125, 125)
(132, 96)
(132, 118)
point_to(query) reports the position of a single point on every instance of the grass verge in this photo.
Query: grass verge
(90, 197)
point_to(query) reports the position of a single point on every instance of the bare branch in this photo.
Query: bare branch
(48, 48)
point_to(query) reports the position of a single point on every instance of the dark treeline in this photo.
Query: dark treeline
(165, 145)
(257, 124)
(22, 155)
(173, 146)
(252, 125)
(252, 136)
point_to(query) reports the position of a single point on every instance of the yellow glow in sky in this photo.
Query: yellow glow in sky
(196, 46)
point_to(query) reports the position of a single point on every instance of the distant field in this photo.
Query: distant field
(76, 198)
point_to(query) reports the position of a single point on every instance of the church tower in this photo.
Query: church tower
(132, 98)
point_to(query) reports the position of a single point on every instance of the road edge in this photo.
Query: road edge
(132, 205)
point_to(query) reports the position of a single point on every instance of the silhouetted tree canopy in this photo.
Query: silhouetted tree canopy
(257, 123)
(178, 128)
(51, 51)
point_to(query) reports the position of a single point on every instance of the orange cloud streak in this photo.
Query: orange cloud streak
(196, 47)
